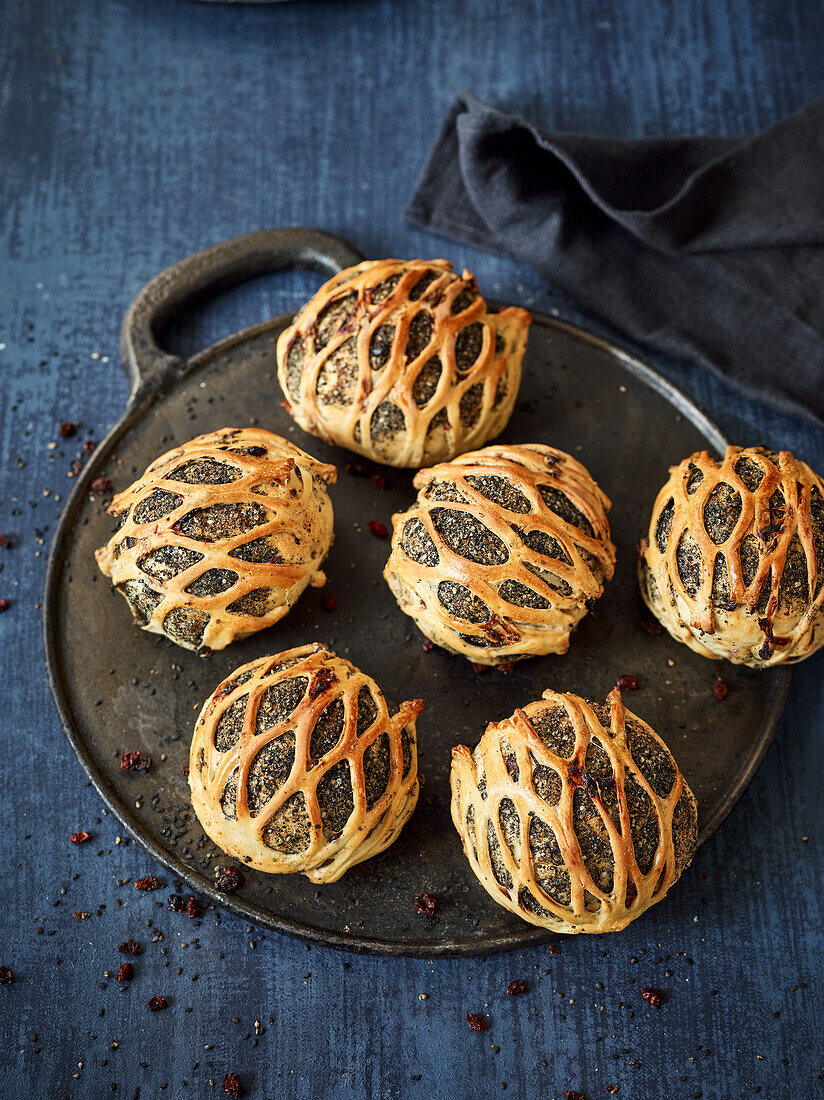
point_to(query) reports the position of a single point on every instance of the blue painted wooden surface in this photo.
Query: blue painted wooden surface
(133, 132)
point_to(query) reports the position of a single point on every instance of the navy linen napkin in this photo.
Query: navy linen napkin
(711, 249)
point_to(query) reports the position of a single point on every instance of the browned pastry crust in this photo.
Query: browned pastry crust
(734, 563)
(401, 361)
(297, 765)
(220, 536)
(573, 815)
(502, 552)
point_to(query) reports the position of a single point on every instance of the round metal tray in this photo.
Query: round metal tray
(118, 688)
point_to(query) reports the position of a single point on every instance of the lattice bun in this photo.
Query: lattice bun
(502, 553)
(297, 764)
(402, 362)
(220, 536)
(734, 563)
(573, 815)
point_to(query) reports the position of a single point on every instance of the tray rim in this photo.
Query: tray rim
(140, 402)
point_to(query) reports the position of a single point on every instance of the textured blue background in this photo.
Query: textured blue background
(133, 132)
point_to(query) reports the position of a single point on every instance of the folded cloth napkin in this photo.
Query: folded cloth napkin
(711, 249)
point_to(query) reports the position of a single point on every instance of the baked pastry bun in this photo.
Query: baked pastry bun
(502, 553)
(220, 536)
(573, 815)
(297, 764)
(734, 563)
(402, 362)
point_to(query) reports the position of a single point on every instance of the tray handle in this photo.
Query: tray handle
(214, 269)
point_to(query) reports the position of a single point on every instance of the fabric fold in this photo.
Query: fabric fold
(711, 249)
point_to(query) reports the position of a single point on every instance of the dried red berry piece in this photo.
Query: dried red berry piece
(6, 975)
(379, 481)
(575, 1096)
(88, 446)
(427, 645)
(66, 430)
(176, 903)
(425, 903)
(124, 972)
(652, 997)
(516, 987)
(231, 1085)
(651, 627)
(135, 762)
(130, 947)
(329, 601)
(101, 485)
(75, 466)
(80, 838)
(553, 949)
(378, 529)
(628, 683)
(148, 882)
(321, 682)
(476, 1022)
(193, 909)
(157, 1004)
(5, 541)
(720, 689)
(4, 605)
(229, 879)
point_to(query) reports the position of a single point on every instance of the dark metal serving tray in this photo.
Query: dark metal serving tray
(118, 688)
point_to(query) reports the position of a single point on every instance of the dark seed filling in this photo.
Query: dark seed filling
(382, 291)
(553, 727)
(500, 492)
(167, 561)
(651, 758)
(328, 729)
(721, 591)
(387, 421)
(156, 505)
(417, 544)
(460, 602)
(510, 760)
(562, 506)
(664, 525)
(338, 375)
(143, 600)
(289, 829)
(257, 603)
(332, 317)
(688, 560)
(468, 344)
(440, 419)
(794, 589)
(499, 869)
(335, 798)
(445, 490)
(750, 555)
(259, 551)
(212, 582)
(186, 624)
(376, 769)
(548, 863)
(426, 383)
(228, 800)
(521, 596)
(684, 831)
(463, 301)
(426, 280)
(269, 771)
(294, 367)
(470, 405)
(593, 839)
(406, 749)
(230, 724)
(279, 701)
(205, 471)
(694, 478)
(750, 472)
(510, 827)
(643, 824)
(721, 512)
(420, 333)
(367, 711)
(817, 513)
(544, 544)
(221, 521)
(467, 537)
(547, 783)
(380, 347)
